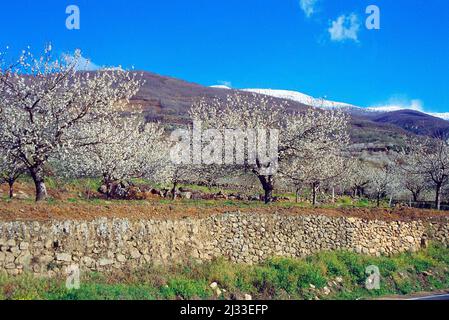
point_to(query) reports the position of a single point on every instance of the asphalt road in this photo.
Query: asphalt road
(437, 297)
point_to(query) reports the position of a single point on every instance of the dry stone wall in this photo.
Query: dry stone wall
(48, 248)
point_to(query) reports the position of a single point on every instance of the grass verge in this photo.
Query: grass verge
(327, 275)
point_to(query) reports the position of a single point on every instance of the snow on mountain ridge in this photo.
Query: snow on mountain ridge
(327, 104)
(301, 98)
(441, 115)
(221, 86)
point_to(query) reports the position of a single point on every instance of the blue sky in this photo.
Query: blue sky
(278, 44)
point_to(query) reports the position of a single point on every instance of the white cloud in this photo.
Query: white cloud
(346, 27)
(83, 64)
(308, 6)
(442, 115)
(398, 103)
(224, 84)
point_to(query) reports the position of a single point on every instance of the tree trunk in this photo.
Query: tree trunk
(314, 195)
(437, 196)
(109, 186)
(173, 191)
(11, 188)
(378, 199)
(37, 173)
(297, 195)
(268, 186)
(415, 196)
(110, 183)
(268, 195)
(108, 190)
(333, 194)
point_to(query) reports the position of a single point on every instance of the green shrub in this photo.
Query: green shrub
(405, 285)
(187, 288)
(265, 280)
(422, 262)
(355, 265)
(386, 266)
(330, 264)
(311, 275)
(345, 200)
(363, 203)
(222, 272)
(293, 275)
(105, 292)
(439, 253)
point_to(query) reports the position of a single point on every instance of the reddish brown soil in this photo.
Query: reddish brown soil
(62, 209)
(21, 210)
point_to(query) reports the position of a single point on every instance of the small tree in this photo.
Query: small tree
(45, 102)
(312, 128)
(430, 159)
(174, 175)
(180, 168)
(358, 177)
(415, 183)
(323, 167)
(10, 170)
(116, 150)
(383, 180)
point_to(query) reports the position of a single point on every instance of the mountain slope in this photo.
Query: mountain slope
(168, 100)
(416, 122)
(323, 103)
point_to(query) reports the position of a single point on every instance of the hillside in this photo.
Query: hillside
(415, 122)
(168, 100)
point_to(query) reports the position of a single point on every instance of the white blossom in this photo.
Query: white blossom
(45, 102)
(116, 150)
(299, 132)
(429, 158)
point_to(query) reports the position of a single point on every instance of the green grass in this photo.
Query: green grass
(74, 191)
(278, 278)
